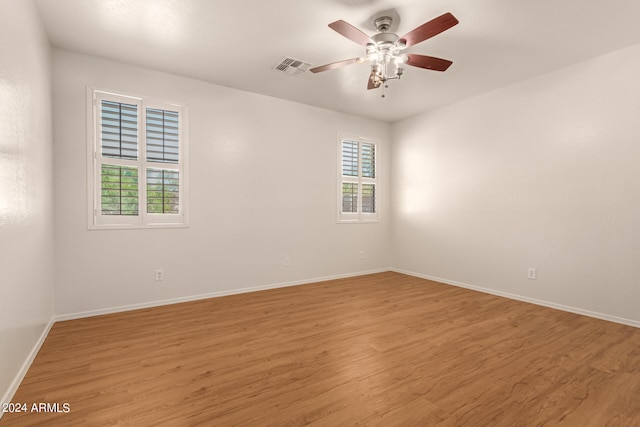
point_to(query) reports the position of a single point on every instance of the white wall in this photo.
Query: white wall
(544, 174)
(26, 218)
(263, 186)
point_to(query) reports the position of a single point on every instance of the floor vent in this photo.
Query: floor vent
(292, 66)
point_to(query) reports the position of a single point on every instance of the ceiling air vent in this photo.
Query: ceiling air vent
(292, 66)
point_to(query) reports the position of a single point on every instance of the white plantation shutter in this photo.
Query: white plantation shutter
(163, 191)
(163, 150)
(119, 190)
(368, 198)
(119, 130)
(118, 140)
(350, 158)
(350, 197)
(162, 136)
(368, 160)
(138, 163)
(368, 178)
(116, 192)
(357, 179)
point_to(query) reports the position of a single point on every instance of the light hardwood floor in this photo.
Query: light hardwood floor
(383, 349)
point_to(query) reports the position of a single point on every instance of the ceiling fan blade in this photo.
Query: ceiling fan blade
(350, 32)
(428, 62)
(429, 29)
(334, 65)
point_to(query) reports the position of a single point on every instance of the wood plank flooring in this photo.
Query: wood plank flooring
(384, 349)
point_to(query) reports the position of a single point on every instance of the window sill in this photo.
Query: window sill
(94, 227)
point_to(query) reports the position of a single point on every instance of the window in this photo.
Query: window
(357, 179)
(137, 162)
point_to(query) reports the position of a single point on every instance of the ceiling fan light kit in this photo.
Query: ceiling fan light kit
(385, 50)
(385, 55)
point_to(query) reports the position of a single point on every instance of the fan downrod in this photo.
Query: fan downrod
(383, 23)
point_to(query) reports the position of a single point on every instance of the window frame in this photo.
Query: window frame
(98, 221)
(358, 217)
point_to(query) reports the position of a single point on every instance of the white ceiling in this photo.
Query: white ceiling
(237, 43)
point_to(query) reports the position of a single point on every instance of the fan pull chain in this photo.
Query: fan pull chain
(386, 86)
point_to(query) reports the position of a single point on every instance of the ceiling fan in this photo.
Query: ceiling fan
(385, 49)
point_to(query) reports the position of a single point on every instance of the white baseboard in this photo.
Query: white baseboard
(158, 303)
(13, 387)
(570, 309)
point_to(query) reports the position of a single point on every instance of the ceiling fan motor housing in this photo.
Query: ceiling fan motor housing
(386, 38)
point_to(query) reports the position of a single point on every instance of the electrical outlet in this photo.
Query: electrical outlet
(361, 254)
(531, 274)
(159, 275)
(286, 262)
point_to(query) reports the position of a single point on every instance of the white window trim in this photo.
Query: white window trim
(95, 219)
(359, 217)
